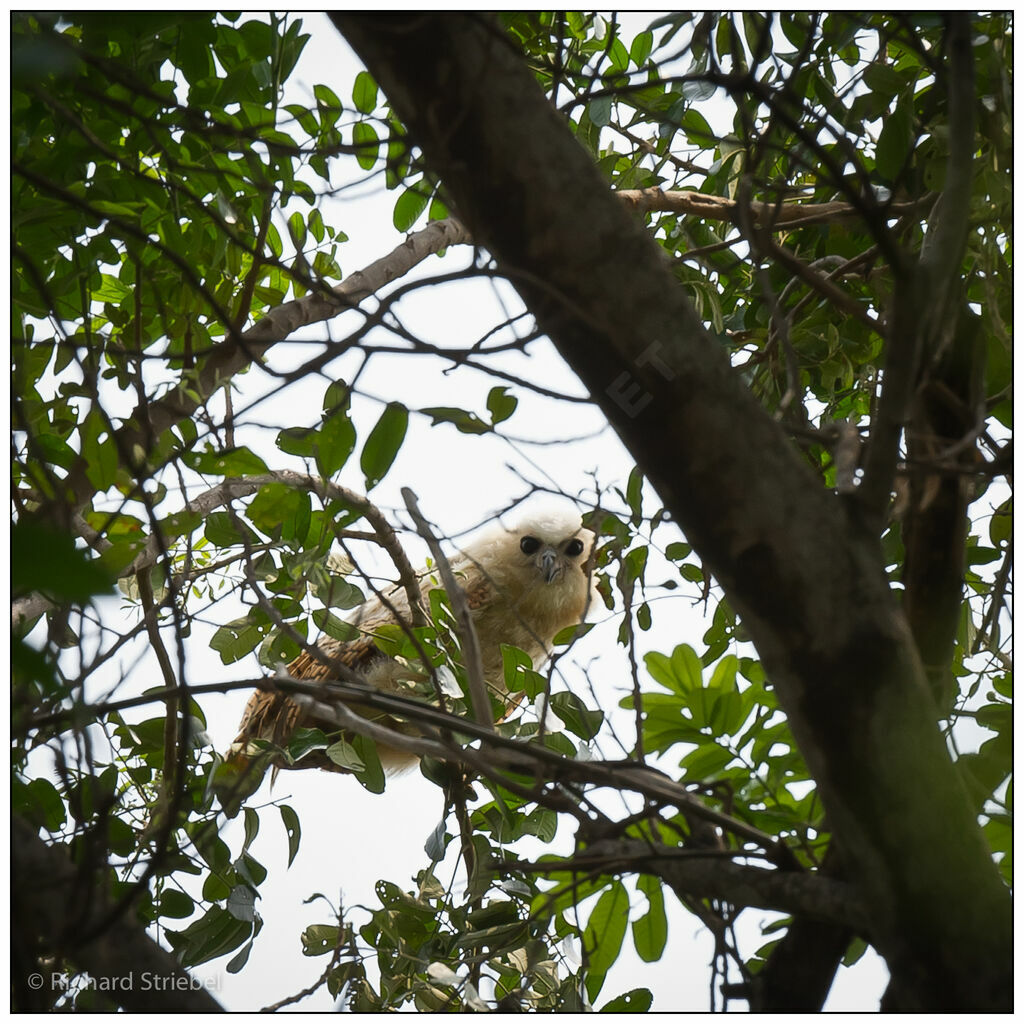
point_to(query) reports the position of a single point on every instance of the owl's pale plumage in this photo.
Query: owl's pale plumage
(523, 586)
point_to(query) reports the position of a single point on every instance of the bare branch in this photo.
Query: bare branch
(467, 631)
(765, 215)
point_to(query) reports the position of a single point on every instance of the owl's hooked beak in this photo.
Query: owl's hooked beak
(550, 565)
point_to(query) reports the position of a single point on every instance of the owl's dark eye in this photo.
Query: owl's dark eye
(528, 545)
(574, 547)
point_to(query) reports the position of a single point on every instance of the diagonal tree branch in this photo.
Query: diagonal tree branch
(215, 369)
(809, 584)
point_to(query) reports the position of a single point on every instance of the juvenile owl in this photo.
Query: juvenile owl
(523, 586)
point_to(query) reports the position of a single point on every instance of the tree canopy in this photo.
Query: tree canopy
(737, 286)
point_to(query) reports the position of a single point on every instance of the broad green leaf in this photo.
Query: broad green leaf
(383, 444)
(577, 717)
(99, 451)
(636, 1000)
(326, 97)
(46, 560)
(233, 462)
(895, 140)
(410, 204)
(304, 741)
(365, 137)
(176, 904)
(318, 939)
(372, 775)
(334, 627)
(40, 802)
(364, 93)
(298, 441)
(344, 755)
(600, 110)
(337, 438)
(217, 932)
(650, 932)
(252, 826)
(242, 903)
(604, 933)
(640, 48)
(705, 762)
(236, 639)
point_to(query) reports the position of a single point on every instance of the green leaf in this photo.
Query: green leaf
(604, 934)
(681, 673)
(293, 829)
(318, 939)
(100, 455)
(600, 110)
(44, 559)
(334, 627)
(383, 444)
(634, 489)
(40, 802)
(232, 462)
(252, 827)
(336, 439)
(304, 741)
(687, 667)
(364, 136)
(326, 97)
(298, 441)
(364, 93)
(217, 932)
(344, 755)
(242, 903)
(176, 904)
(578, 718)
(372, 776)
(705, 762)
(463, 420)
(640, 48)
(500, 404)
(225, 530)
(895, 141)
(239, 960)
(636, 1000)
(650, 932)
(410, 204)
(236, 639)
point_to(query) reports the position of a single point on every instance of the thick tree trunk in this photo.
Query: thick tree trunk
(807, 580)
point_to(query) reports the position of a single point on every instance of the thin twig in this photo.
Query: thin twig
(471, 655)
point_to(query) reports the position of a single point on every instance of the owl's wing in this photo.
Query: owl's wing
(275, 716)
